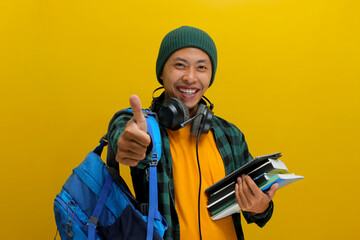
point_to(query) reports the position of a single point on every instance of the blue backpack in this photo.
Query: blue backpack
(95, 202)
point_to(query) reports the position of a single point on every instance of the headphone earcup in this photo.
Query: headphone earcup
(172, 113)
(207, 122)
(203, 122)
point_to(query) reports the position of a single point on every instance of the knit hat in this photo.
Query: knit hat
(183, 37)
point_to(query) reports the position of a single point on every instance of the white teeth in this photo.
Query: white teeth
(187, 91)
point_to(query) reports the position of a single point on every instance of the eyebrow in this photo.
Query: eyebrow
(186, 61)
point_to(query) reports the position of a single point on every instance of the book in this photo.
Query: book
(271, 166)
(264, 170)
(223, 207)
(281, 179)
(223, 193)
(254, 168)
(234, 208)
(220, 202)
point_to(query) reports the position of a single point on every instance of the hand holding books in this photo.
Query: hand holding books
(263, 171)
(249, 196)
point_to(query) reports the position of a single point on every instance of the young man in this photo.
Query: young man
(186, 67)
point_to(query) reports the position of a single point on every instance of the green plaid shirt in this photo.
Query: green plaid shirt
(233, 149)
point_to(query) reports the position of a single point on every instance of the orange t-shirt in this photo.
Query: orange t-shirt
(186, 183)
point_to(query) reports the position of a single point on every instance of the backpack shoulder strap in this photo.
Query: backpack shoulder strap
(154, 131)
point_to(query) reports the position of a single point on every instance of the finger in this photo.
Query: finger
(125, 154)
(255, 190)
(132, 155)
(139, 118)
(242, 194)
(246, 187)
(237, 196)
(127, 161)
(272, 190)
(133, 133)
(135, 147)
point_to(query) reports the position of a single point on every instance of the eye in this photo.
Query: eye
(179, 65)
(202, 67)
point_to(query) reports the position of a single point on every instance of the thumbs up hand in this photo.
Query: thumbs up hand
(133, 142)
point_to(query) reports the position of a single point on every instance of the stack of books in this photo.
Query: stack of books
(264, 170)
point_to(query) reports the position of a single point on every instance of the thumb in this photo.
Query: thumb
(272, 190)
(138, 117)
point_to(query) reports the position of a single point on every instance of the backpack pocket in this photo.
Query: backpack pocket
(129, 225)
(69, 217)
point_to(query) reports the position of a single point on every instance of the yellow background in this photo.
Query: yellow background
(288, 77)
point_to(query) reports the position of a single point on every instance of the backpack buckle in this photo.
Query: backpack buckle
(152, 163)
(144, 207)
(93, 220)
(154, 158)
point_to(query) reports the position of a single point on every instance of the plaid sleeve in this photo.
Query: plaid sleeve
(117, 128)
(231, 144)
(262, 218)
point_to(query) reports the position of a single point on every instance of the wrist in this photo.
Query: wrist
(263, 213)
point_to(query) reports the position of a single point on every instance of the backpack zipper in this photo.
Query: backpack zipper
(70, 212)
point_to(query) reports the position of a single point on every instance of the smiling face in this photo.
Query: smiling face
(186, 75)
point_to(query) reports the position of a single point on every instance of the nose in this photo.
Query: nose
(190, 75)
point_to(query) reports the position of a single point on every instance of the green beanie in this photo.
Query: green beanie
(186, 37)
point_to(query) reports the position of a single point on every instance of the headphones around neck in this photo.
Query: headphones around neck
(174, 114)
